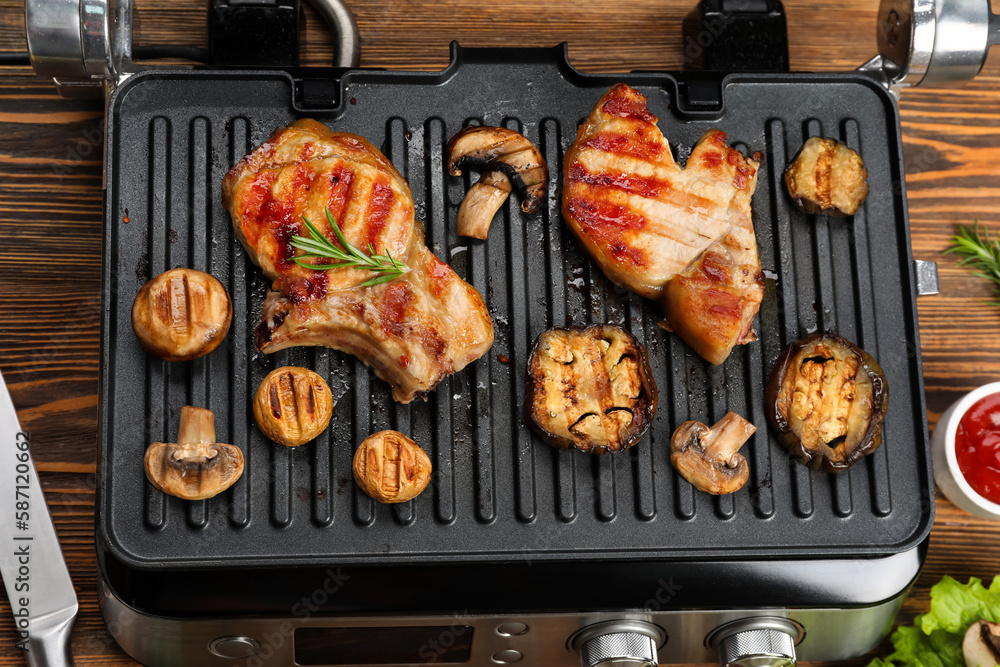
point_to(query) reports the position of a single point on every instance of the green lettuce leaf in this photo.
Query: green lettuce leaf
(916, 649)
(935, 638)
(955, 606)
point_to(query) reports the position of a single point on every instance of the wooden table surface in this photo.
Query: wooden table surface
(51, 218)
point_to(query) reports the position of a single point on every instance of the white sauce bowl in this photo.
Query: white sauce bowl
(947, 474)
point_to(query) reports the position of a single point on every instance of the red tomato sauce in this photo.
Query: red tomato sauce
(977, 446)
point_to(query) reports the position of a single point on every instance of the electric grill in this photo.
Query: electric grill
(517, 552)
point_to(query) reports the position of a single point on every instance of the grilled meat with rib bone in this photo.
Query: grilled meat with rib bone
(413, 330)
(681, 236)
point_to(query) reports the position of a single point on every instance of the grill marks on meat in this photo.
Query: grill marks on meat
(413, 330)
(683, 237)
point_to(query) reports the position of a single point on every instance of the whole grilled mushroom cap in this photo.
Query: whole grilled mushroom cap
(181, 314)
(293, 405)
(709, 458)
(195, 467)
(981, 645)
(499, 149)
(391, 468)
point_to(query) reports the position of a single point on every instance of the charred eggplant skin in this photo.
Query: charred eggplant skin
(785, 370)
(827, 177)
(643, 410)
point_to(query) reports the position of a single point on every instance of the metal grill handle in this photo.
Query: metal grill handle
(86, 45)
(931, 42)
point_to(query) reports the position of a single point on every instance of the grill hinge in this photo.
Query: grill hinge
(254, 33)
(736, 36)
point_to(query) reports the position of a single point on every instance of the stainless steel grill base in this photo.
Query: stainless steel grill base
(160, 641)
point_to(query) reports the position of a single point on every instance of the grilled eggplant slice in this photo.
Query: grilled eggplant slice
(590, 389)
(827, 177)
(826, 400)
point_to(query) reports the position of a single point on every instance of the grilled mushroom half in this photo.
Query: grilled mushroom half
(827, 177)
(981, 645)
(590, 389)
(196, 466)
(709, 458)
(826, 400)
(504, 156)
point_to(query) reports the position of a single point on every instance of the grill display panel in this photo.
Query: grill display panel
(497, 490)
(420, 645)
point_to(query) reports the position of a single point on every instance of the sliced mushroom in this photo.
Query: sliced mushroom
(709, 458)
(481, 203)
(195, 467)
(391, 468)
(981, 646)
(590, 389)
(499, 149)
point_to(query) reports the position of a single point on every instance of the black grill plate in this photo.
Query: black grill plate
(500, 494)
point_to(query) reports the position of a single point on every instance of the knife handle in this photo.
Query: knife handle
(50, 646)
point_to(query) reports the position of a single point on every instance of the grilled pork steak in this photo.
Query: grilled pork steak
(413, 330)
(681, 236)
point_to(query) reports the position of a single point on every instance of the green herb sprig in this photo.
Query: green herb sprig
(316, 246)
(979, 252)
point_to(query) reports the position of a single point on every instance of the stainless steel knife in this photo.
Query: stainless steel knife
(34, 573)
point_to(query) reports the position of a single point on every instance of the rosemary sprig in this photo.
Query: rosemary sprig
(979, 252)
(316, 245)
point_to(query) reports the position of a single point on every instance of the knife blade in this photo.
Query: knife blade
(31, 563)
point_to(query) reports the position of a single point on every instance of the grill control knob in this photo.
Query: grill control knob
(618, 644)
(757, 642)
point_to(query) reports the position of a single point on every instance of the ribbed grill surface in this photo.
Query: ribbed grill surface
(498, 492)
